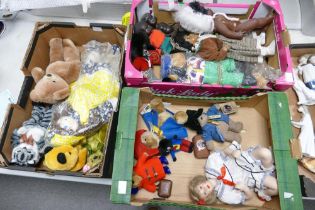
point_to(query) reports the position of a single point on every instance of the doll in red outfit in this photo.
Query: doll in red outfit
(148, 171)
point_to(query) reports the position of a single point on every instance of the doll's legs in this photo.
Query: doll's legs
(235, 126)
(165, 163)
(227, 134)
(264, 155)
(270, 186)
(253, 24)
(231, 136)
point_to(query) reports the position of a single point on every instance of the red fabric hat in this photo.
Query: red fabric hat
(140, 63)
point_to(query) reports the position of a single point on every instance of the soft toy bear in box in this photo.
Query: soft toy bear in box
(64, 68)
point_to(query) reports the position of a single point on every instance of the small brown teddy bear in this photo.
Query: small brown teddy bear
(64, 68)
(214, 126)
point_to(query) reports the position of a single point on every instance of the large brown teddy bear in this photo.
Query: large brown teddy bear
(64, 68)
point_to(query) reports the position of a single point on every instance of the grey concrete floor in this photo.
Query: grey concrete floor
(21, 193)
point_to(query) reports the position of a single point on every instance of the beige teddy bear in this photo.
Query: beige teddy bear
(52, 85)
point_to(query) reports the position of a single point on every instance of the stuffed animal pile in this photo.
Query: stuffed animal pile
(73, 100)
(203, 47)
(231, 175)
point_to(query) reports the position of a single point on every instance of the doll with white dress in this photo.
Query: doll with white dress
(233, 176)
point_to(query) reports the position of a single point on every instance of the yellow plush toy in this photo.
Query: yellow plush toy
(66, 157)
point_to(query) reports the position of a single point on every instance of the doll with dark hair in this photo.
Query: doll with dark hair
(148, 40)
(197, 19)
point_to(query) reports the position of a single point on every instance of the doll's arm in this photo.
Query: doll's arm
(234, 150)
(249, 194)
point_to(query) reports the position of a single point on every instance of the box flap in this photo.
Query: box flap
(124, 148)
(286, 38)
(296, 150)
(286, 166)
(280, 121)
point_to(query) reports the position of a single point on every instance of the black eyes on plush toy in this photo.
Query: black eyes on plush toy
(61, 158)
(228, 108)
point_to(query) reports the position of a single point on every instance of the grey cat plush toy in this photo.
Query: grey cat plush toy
(28, 141)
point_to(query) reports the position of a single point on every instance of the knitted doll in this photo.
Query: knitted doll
(214, 125)
(163, 122)
(28, 141)
(148, 171)
(233, 176)
(197, 19)
(168, 126)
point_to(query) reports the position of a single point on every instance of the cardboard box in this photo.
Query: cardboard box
(298, 50)
(276, 31)
(266, 122)
(38, 55)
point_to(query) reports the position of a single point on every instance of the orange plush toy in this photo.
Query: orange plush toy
(148, 171)
(146, 142)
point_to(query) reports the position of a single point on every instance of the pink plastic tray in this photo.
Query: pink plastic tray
(134, 78)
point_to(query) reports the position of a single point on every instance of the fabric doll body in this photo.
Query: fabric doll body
(248, 49)
(224, 129)
(245, 168)
(151, 170)
(170, 129)
(233, 126)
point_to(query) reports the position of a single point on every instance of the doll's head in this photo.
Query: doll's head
(150, 139)
(194, 120)
(203, 119)
(311, 59)
(181, 117)
(149, 19)
(68, 123)
(202, 190)
(178, 60)
(157, 105)
(180, 37)
(165, 147)
(191, 38)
